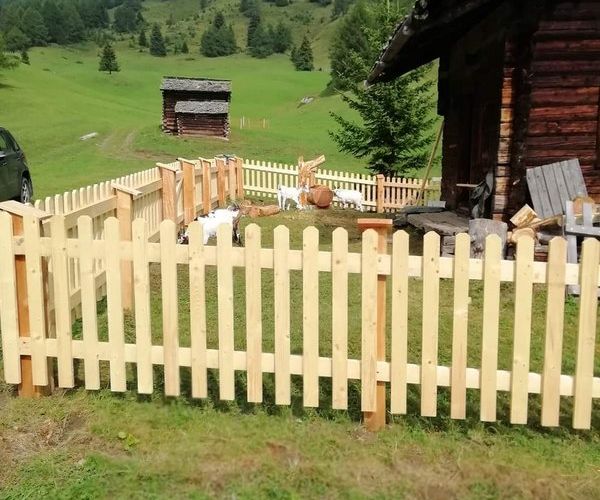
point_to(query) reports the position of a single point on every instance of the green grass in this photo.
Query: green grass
(90, 445)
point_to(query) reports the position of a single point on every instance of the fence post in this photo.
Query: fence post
(125, 196)
(206, 204)
(169, 194)
(239, 171)
(380, 193)
(231, 180)
(376, 420)
(189, 190)
(221, 180)
(26, 388)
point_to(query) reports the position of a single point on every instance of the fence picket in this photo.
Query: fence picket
(170, 315)
(458, 373)
(555, 319)
(225, 310)
(522, 330)
(399, 354)
(339, 321)
(253, 313)
(368, 364)
(9, 320)
(88, 305)
(114, 304)
(430, 331)
(310, 317)
(281, 246)
(141, 290)
(586, 336)
(489, 340)
(62, 307)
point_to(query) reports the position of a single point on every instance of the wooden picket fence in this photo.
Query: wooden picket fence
(38, 265)
(380, 194)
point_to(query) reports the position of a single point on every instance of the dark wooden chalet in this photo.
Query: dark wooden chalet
(519, 86)
(178, 91)
(206, 118)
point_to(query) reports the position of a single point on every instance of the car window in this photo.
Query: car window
(3, 143)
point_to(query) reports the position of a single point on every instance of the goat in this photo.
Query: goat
(212, 221)
(347, 196)
(285, 193)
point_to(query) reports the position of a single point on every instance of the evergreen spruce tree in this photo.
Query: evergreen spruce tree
(73, 25)
(108, 60)
(142, 40)
(302, 56)
(24, 57)
(281, 38)
(262, 45)
(16, 40)
(340, 7)
(184, 48)
(6, 61)
(34, 27)
(157, 43)
(219, 39)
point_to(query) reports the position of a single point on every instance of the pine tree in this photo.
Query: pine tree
(24, 57)
(340, 7)
(219, 39)
(262, 45)
(34, 27)
(142, 40)
(157, 43)
(184, 48)
(6, 61)
(302, 56)
(16, 40)
(281, 38)
(108, 60)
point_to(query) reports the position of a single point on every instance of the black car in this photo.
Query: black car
(15, 180)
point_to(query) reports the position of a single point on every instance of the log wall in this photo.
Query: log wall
(565, 90)
(203, 125)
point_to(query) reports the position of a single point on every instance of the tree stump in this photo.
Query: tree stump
(479, 229)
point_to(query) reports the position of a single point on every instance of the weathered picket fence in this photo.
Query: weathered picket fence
(36, 265)
(381, 194)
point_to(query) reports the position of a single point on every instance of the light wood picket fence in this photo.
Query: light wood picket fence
(54, 339)
(381, 194)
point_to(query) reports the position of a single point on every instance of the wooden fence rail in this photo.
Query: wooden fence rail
(51, 333)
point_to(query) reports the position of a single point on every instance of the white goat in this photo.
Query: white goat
(352, 196)
(212, 221)
(285, 193)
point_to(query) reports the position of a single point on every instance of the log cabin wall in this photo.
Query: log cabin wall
(203, 125)
(565, 90)
(171, 97)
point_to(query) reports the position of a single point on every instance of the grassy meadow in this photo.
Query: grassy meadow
(52, 103)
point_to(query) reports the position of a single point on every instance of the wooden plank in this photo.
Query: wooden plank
(62, 307)
(339, 321)
(35, 296)
(430, 324)
(310, 316)
(88, 305)
(168, 193)
(562, 186)
(586, 337)
(225, 313)
(198, 332)
(399, 301)
(458, 391)
(552, 191)
(522, 330)
(546, 210)
(9, 318)
(114, 305)
(281, 245)
(576, 177)
(143, 325)
(170, 313)
(491, 317)
(254, 370)
(555, 318)
(369, 321)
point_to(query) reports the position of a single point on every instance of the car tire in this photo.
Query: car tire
(25, 191)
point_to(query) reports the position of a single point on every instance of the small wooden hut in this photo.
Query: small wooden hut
(200, 105)
(519, 87)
